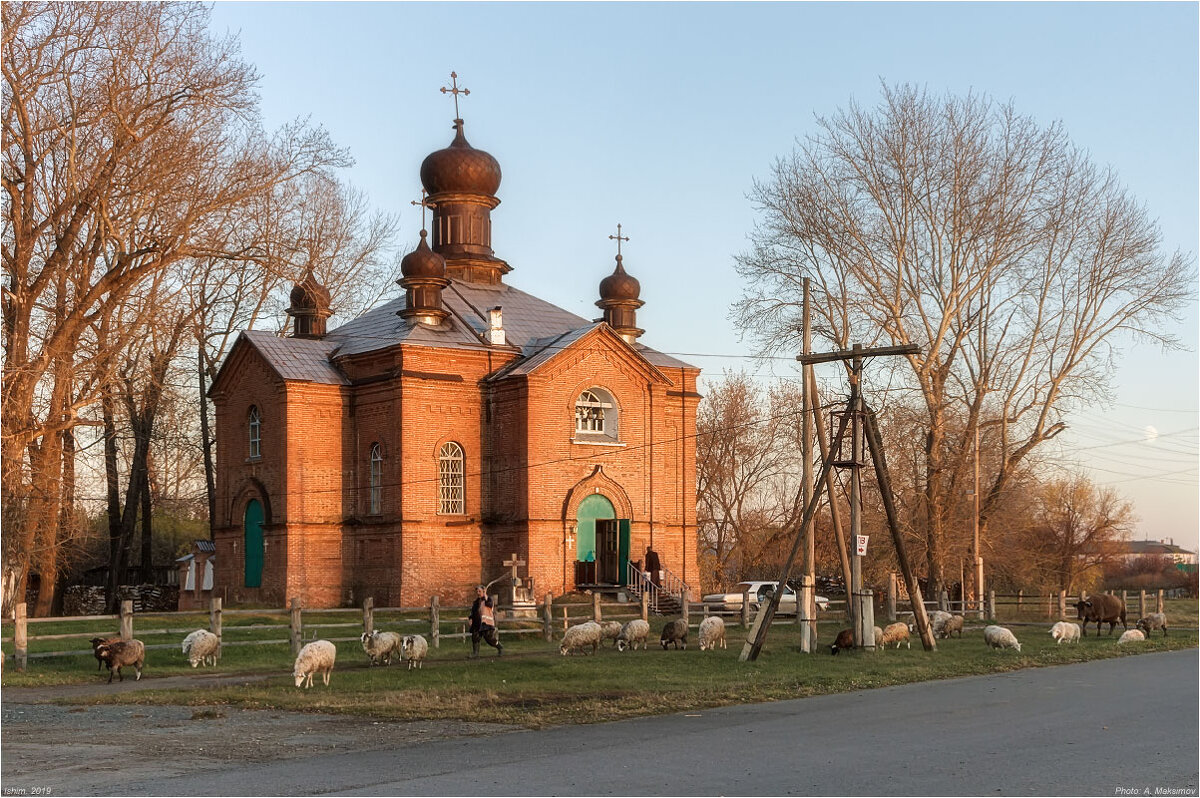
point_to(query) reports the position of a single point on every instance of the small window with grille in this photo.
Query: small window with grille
(376, 479)
(595, 415)
(255, 425)
(451, 480)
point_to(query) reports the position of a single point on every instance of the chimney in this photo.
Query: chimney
(495, 333)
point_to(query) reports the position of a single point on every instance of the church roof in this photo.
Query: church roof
(297, 359)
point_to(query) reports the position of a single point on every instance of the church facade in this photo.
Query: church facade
(411, 451)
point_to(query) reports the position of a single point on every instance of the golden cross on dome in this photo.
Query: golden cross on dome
(619, 239)
(424, 203)
(455, 91)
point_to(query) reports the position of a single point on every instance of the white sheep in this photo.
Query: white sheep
(1155, 620)
(580, 636)
(316, 657)
(413, 649)
(1065, 632)
(712, 632)
(200, 647)
(894, 633)
(1132, 636)
(632, 633)
(379, 646)
(610, 630)
(937, 619)
(999, 637)
(951, 625)
(878, 636)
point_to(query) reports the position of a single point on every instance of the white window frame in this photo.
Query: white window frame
(596, 415)
(376, 477)
(255, 428)
(452, 479)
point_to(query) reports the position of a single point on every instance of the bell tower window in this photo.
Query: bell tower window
(596, 415)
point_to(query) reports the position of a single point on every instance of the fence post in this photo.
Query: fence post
(1062, 604)
(992, 604)
(21, 636)
(746, 608)
(127, 619)
(368, 615)
(297, 624)
(548, 617)
(1142, 604)
(1124, 598)
(596, 607)
(683, 604)
(646, 606)
(1159, 606)
(435, 623)
(891, 597)
(1020, 600)
(566, 618)
(944, 601)
(214, 620)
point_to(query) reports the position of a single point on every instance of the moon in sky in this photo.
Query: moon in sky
(1151, 434)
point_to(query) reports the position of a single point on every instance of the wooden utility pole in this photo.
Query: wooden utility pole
(806, 608)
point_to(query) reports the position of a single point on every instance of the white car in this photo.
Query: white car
(759, 592)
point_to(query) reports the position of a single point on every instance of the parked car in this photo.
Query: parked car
(759, 592)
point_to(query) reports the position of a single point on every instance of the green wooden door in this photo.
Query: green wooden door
(591, 508)
(623, 553)
(254, 543)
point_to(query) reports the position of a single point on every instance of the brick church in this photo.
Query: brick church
(411, 451)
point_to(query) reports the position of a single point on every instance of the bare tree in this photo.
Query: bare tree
(995, 244)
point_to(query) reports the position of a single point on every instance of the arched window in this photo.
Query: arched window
(596, 414)
(376, 479)
(255, 424)
(451, 486)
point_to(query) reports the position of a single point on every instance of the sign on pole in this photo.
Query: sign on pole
(861, 545)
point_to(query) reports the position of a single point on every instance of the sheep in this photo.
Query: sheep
(999, 637)
(675, 632)
(379, 646)
(316, 657)
(610, 630)
(952, 624)
(118, 653)
(96, 643)
(580, 636)
(1155, 620)
(894, 633)
(1131, 636)
(1065, 632)
(200, 647)
(845, 639)
(712, 631)
(938, 619)
(413, 649)
(1101, 609)
(632, 633)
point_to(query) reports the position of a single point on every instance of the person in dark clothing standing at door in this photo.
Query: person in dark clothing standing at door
(483, 623)
(653, 565)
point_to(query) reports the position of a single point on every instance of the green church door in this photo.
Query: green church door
(601, 542)
(254, 543)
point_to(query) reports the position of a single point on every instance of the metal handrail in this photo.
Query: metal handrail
(639, 583)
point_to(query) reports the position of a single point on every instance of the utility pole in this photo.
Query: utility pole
(807, 605)
(976, 553)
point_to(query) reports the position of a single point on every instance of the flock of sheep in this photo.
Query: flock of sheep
(202, 647)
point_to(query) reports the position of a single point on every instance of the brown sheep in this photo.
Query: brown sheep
(1101, 609)
(96, 643)
(122, 652)
(845, 639)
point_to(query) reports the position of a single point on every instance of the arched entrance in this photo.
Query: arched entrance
(601, 542)
(254, 543)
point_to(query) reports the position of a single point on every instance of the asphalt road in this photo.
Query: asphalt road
(1110, 727)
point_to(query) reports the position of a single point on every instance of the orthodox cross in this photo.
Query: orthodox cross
(424, 203)
(619, 238)
(514, 563)
(455, 91)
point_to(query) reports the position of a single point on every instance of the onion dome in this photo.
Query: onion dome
(620, 285)
(310, 307)
(423, 262)
(460, 168)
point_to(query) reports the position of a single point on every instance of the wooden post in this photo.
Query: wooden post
(1142, 604)
(705, 610)
(368, 615)
(1159, 604)
(892, 592)
(548, 618)
(297, 624)
(646, 606)
(566, 618)
(1124, 599)
(746, 608)
(944, 601)
(127, 619)
(992, 604)
(21, 636)
(1020, 599)
(1049, 605)
(596, 607)
(435, 623)
(867, 613)
(214, 620)
(683, 605)
(1062, 604)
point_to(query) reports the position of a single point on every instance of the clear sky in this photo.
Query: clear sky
(660, 115)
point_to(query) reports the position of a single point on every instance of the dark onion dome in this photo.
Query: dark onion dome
(619, 286)
(423, 261)
(460, 168)
(309, 294)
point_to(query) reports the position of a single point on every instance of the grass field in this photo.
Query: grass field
(533, 686)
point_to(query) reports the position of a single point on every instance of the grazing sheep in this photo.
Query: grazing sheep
(118, 653)
(1065, 632)
(1101, 609)
(999, 637)
(379, 646)
(316, 657)
(1155, 620)
(200, 647)
(580, 636)
(953, 624)
(610, 630)
(895, 633)
(632, 633)
(845, 639)
(712, 631)
(1131, 636)
(938, 619)
(96, 643)
(413, 649)
(675, 632)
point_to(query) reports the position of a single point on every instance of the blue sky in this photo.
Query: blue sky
(660, 116)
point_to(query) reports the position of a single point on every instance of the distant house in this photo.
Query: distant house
(1133, 550)
(196, 575)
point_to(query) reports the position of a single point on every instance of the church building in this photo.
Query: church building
(412, 451)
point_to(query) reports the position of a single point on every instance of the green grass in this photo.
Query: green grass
(533, 686)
